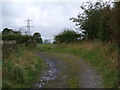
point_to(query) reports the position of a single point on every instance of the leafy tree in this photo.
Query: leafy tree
(27, 40)
(94, 20)
(37, 37)
(104, 30)
(114, 23)
(7, 31)
(67, 36)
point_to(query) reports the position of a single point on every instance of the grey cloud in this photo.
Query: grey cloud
(48, 18)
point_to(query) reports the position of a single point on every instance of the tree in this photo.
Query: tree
(67, 36)
(7, 31)
(114, 23)
(94, 20)
(37, 37)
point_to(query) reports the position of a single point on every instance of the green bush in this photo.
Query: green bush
(20, 39)
(67, 36)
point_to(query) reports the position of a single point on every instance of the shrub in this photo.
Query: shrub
(67, 36)
(20, 39)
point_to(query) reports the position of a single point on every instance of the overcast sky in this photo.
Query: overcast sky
(48, 18)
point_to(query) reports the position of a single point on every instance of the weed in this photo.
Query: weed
(22, 69)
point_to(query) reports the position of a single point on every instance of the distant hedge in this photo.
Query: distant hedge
(20, 39)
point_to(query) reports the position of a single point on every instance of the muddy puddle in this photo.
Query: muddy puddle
(50, 74)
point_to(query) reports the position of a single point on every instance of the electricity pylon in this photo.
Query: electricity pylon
(28, 32)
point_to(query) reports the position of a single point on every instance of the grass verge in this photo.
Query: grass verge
(21, 70)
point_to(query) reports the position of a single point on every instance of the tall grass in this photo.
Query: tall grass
(21, 70)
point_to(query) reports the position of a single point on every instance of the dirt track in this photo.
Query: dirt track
(60, 71)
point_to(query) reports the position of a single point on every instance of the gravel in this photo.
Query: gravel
(89, 78)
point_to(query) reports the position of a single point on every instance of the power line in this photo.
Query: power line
(28, 27)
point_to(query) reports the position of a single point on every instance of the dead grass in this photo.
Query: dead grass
(25, 66)
(105, 49)
(26, 59)
(109, 53)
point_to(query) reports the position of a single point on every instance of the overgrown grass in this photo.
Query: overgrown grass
(103, 56)
(21, 70)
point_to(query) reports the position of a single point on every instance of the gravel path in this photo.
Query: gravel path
(54, 66)
(89, 78)
(52, 77)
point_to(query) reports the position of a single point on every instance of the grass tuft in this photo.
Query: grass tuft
(21, 70)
